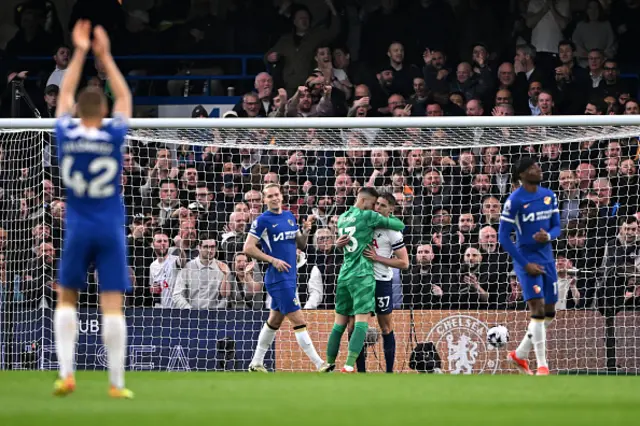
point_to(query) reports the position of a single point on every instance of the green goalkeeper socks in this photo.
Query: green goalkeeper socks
(333, 346)
(356, 343)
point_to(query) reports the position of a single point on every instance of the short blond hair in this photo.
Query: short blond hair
(269, 186)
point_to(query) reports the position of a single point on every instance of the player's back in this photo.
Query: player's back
(356, 224)
(91, 167)
(531, 212)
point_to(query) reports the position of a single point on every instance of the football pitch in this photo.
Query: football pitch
(186, 399)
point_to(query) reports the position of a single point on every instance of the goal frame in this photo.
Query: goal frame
(632, 121)
(349, 122)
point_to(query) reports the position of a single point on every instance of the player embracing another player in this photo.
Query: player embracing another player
(387, 253)
(532, 212)
(356, 288)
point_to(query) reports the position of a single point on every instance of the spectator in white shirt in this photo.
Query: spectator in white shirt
(163, 271)
(200, 283)
(547, 19)
(61, 58)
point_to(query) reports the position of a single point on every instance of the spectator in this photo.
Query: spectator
(594, 32)
(35, 37)
(568, 293)
(161, 171)
(261, 100)
(611, 84)
(164, 271)
(422, 285)
(167, 208)
(293, 52)
(233, 239)
(38, 282)
(51, 100)
(186, 242)
(140, 255)
(325, 260)
(336, 78)
(200, 284)
(547, 21)
(302, 103)
(467, 289)
(61, 58)
(245, 285)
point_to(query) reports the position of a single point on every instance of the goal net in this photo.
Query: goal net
(193, 187)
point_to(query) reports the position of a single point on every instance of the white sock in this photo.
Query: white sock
(522, 351)
(539, 341)
(65, 327)
(304, 340)
(114, 336)
(265, 339)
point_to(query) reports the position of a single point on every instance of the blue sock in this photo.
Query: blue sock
(361, 361)
(389, 345)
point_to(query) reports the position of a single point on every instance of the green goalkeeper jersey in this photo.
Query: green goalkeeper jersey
(359, 226)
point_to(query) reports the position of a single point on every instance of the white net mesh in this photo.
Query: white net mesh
(202, 187)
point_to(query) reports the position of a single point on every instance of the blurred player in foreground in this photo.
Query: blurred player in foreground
(278, 232)
(355, 292)
(90, 158)
(388, 252)
(532, 212)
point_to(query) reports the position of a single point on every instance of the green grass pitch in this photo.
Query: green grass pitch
(194, 399)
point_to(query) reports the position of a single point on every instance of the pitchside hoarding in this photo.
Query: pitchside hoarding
(184, 340)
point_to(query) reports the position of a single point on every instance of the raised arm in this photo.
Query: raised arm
(303, 234)
(102, 50)
(69, 86)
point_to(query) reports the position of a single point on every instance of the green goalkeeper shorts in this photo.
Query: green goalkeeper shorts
(356, 296)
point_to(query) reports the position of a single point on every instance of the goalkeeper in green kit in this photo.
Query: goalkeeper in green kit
(355, 292)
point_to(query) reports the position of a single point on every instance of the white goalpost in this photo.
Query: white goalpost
(198, 182)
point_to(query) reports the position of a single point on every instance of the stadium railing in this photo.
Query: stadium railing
(245, 74)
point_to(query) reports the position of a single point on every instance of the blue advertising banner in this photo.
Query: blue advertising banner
(159, 339)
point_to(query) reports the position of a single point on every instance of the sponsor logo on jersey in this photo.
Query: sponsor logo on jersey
(288, 235)
(547, 200)
(461, 343)
(274, 225)
(291, 222)
(534, 217)
(525, 206)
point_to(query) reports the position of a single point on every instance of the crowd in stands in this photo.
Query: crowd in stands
(190, 206)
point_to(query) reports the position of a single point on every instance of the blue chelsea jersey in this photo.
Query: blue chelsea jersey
(277, 234)
(528, 213)
(91, 168)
